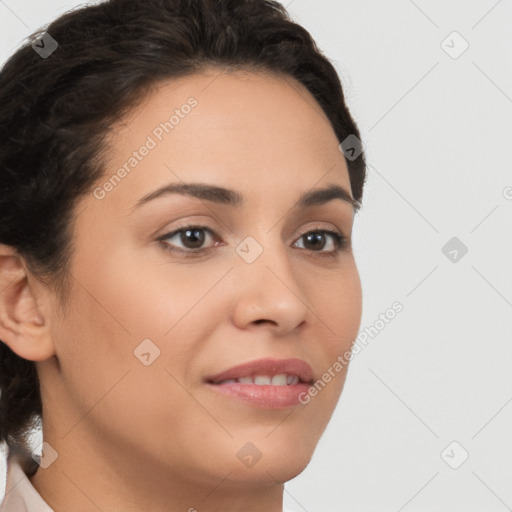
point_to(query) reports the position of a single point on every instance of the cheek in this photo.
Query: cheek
(338, 306)
(144, 297)
(349, 313)
(124, 308)
(109, 390)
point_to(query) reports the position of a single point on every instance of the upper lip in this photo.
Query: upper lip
(268, 366)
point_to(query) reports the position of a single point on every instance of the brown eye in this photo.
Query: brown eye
(187, 239)
(192, 239)
(317, 240)
(195, 237)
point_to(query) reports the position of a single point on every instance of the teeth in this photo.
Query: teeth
(265, 380)
(292, 380)
(279, 380)
(262, 380)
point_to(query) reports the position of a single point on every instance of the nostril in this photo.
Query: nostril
(261, 320)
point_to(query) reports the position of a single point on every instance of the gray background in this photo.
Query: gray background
(437, 127)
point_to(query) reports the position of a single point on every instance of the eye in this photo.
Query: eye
(316, 241)
(192, 239)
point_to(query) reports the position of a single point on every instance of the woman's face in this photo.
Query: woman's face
(152, 315)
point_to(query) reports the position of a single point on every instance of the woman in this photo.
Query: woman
(179, 184)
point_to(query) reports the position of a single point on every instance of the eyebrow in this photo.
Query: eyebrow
(230, 197)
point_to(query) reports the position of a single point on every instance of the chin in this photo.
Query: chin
(277, 468)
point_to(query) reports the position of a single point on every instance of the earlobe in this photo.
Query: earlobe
(23, 326)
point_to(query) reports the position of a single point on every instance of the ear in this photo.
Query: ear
(23, 326)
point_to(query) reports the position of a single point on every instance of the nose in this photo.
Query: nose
(269, 293)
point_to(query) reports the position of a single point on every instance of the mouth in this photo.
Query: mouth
(266, 383)
(281, 379)
(266, 372)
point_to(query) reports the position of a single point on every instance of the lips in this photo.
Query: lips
(266, 367)
(265, 383)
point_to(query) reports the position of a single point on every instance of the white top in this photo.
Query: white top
(20, 494)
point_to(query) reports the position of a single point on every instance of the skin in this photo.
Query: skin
(132, 437)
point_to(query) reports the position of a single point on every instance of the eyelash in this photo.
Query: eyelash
(340, 241)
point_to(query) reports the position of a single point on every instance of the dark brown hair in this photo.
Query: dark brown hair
(56, 111)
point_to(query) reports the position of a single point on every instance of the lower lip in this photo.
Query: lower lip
(268, 397)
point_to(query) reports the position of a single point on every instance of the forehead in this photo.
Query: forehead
(230, 129)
